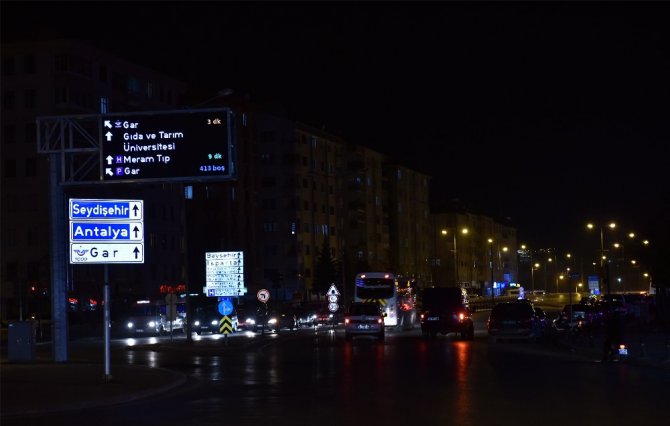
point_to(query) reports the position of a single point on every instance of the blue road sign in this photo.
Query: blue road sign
(106, 231)
(106, 209)
(226, 306)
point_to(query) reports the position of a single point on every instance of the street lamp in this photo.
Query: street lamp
(490, 241)
(445, 232)
(560, 277)
(648, 275)
(591, 226)
(532, 275)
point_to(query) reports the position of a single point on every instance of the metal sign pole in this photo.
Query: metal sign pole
(58, 276)
(108, 375)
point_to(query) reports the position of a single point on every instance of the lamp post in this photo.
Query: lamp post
(648, 275)
(490, 240)
(445, 232)
(532, 275)
(601, 276)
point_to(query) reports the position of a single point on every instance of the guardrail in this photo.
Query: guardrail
(551, 299)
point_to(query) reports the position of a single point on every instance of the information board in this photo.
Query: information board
(224, 274)
(176, 145)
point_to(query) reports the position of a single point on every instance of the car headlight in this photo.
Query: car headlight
(197, 323)
(152, 323)
(130, 325)
(272, 321)
(214, 322)
(250, 321)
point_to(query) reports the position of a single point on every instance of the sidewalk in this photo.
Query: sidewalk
(43, 386)
(49, 387)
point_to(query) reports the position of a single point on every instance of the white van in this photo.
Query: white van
(515, 292)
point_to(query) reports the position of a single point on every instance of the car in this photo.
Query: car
(364, 319)
(146, 318)
(282, 318)
(513, 321)
(210, 322)
(323, 317)
(305, 316)
(247, 319)
(612, 302)
(446, 310)
(574, 317)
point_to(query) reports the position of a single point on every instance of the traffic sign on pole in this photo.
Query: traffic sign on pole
(263, 295)
(106, 231)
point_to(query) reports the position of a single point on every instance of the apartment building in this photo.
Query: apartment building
(66, 77)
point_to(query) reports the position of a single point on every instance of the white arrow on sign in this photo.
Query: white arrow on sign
(109, 171)
(109, 159)
(109, 136)
(108, 124)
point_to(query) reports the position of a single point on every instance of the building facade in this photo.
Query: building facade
(65, 77)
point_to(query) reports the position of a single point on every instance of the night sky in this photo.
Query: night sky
(548, 114)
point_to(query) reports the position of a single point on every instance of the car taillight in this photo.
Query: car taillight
(380, 320)
(461, 316)
(346, 321)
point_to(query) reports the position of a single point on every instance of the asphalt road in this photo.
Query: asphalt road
(307, 377)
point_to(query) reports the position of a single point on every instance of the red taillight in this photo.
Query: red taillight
(347, 321)
(461, 316)
(379, 320)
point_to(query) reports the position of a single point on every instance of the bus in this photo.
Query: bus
(398, 301)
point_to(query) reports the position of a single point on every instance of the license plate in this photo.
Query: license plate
(623, 351)
(363, 326)
(433, 318)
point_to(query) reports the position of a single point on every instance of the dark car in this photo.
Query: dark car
(446, 310)
(209, 321)
(514, 321)
(364, 319)
(282, 318)
(574, 317)
(323, 317)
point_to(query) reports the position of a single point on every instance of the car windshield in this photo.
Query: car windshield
(364, 309)
(439, 297)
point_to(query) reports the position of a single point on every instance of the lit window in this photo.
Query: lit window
(103, 105)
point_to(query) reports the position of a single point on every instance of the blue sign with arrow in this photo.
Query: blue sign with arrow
(226, 306)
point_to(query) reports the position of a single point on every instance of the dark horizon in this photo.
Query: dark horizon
(543, 114)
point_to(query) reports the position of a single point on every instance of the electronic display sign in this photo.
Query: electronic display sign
(187, 145)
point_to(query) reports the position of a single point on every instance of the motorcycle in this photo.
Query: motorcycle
(617, 353)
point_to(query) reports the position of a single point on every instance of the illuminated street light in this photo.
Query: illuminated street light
(601, 275)
(532, 275)
(444, 233)
(490, 241)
